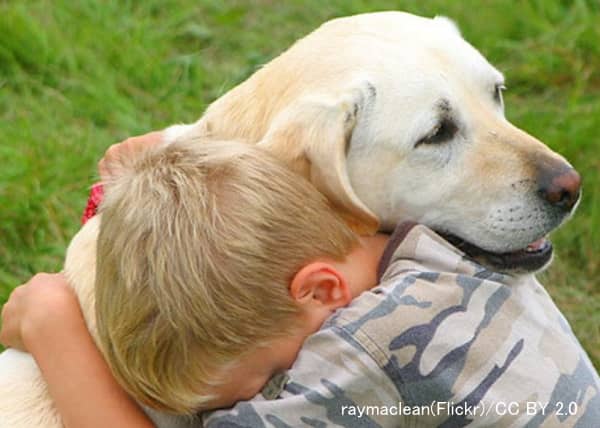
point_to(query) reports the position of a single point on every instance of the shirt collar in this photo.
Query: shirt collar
(394, 242)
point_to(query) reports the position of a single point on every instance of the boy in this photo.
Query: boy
(438, 329)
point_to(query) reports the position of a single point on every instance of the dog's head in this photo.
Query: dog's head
(396, 117)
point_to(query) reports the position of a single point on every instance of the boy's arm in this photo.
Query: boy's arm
(43, 318)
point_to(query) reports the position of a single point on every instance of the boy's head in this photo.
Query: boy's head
(197, 246)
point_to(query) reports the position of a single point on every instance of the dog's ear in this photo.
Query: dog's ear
(312, 136)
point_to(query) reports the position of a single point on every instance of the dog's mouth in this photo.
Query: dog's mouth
(529, 259)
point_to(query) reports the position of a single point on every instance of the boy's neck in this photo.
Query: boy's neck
(360, 266)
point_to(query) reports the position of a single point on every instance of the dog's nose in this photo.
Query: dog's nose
(561, 190)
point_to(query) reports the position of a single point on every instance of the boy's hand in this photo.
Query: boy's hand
(45, 304)
(110, 164)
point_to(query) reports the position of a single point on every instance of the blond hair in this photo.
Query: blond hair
(198, 242)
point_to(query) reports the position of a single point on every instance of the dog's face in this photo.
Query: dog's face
(396, 117)
(447, 157)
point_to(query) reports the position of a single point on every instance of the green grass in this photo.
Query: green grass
(77, 76)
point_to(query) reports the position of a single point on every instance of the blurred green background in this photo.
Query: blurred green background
(77, 76)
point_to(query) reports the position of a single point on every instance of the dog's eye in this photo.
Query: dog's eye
(443, 132)
(498, 89)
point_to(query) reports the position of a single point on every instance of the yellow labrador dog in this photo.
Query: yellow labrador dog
(393, 117)
(396, 117)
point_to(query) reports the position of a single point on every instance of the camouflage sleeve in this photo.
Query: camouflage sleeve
(463, 350)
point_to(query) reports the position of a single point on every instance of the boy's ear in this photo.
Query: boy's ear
(320, 284)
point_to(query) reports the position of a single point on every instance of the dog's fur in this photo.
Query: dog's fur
(392, 117)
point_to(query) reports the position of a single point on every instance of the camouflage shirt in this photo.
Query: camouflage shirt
(441, 342)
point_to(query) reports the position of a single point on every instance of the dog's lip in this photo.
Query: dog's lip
(531, 258)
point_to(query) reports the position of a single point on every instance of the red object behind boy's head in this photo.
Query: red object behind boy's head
(96, 194)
